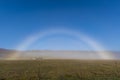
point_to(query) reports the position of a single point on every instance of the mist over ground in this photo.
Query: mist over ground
(56, 54)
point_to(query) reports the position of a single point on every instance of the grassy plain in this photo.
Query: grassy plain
(60, 70)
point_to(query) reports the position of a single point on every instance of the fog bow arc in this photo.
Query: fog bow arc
(28, 41)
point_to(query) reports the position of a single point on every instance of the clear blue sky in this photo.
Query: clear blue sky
(99, 19)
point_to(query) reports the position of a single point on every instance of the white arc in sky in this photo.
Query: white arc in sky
(33, 38)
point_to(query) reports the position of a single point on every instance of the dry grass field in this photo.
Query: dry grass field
(60, 70)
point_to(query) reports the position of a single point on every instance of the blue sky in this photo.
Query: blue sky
(100, 19)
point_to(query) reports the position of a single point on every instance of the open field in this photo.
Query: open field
(60, 70)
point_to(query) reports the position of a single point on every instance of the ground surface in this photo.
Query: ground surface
(60, 70)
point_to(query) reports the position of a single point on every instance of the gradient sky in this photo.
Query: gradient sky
(99, 19)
